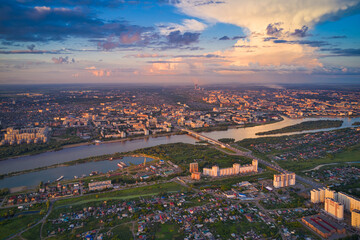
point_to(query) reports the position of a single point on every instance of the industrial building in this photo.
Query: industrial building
(323, 226)
(215, 171)
(284, 180)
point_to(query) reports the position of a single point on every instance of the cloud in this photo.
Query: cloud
(256, 15)
(61, 60)
(238, 37)
(224, 38)
(31, 47)
(32, 51)
(274, 29)
(146, 55)
(98, 72)
(336, 37)
(44, 23)
(347, 52)
(178, 39)
(300, 32)
(187, 25)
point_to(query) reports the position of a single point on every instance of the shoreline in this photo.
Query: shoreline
(100, 158)
(234, 126)
(93, 143)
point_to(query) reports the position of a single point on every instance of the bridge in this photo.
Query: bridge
(248, 154)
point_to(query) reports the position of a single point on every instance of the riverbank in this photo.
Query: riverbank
(93, 143)
(109, 157)
(305, 126)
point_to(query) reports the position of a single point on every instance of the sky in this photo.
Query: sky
(180, 41)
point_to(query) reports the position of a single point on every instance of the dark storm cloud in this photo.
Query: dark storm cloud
(238, 37)
(347, 52)
(304, 42)
(32, 52)
(269, 38)
(300, 32)
(31, 47)
(178, 39)
(87, 3)
(41, 24)
(336, 37)
(274, 29)
(224, 38)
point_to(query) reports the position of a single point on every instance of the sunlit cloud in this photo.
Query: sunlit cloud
(273, 29)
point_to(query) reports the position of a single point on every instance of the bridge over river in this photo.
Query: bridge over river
(250, 155)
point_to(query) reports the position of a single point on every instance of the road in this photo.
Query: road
(32, 226)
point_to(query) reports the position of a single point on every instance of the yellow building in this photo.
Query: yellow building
(194, 167)
(215, 171)
(334, 208)
(284, 180)
(195, 176)
(355, 218)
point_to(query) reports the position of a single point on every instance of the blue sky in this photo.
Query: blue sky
(179, 41)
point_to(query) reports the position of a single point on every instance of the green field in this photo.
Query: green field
(228, 182)
(183, 154)
(16, 224)
(168, 231)
(33, 233)
(121, 232)
(350, 155)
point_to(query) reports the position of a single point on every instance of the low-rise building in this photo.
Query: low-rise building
(97, 186)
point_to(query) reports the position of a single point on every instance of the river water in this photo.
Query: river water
(34, 178)
(70, 154)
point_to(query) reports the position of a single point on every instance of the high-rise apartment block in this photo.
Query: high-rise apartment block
(194, 167)
(319, 195)
(284, 180)
(355, 218)
(25, 135)
(215, 171)
(195, 175)
(334, 208)
(336, 201)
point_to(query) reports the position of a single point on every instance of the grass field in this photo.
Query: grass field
(33, 233)
(10, 227)
(350, 155)
(122, 232)
(168, 231)
(124, 194)
(268, 174)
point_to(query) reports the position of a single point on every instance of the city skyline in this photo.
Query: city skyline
(179, 42)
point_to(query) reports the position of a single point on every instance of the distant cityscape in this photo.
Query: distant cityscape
(217, 188)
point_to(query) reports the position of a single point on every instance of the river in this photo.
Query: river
(51, 174)
(74, 153)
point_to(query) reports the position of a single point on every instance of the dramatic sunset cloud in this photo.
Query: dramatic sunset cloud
(176, 41)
